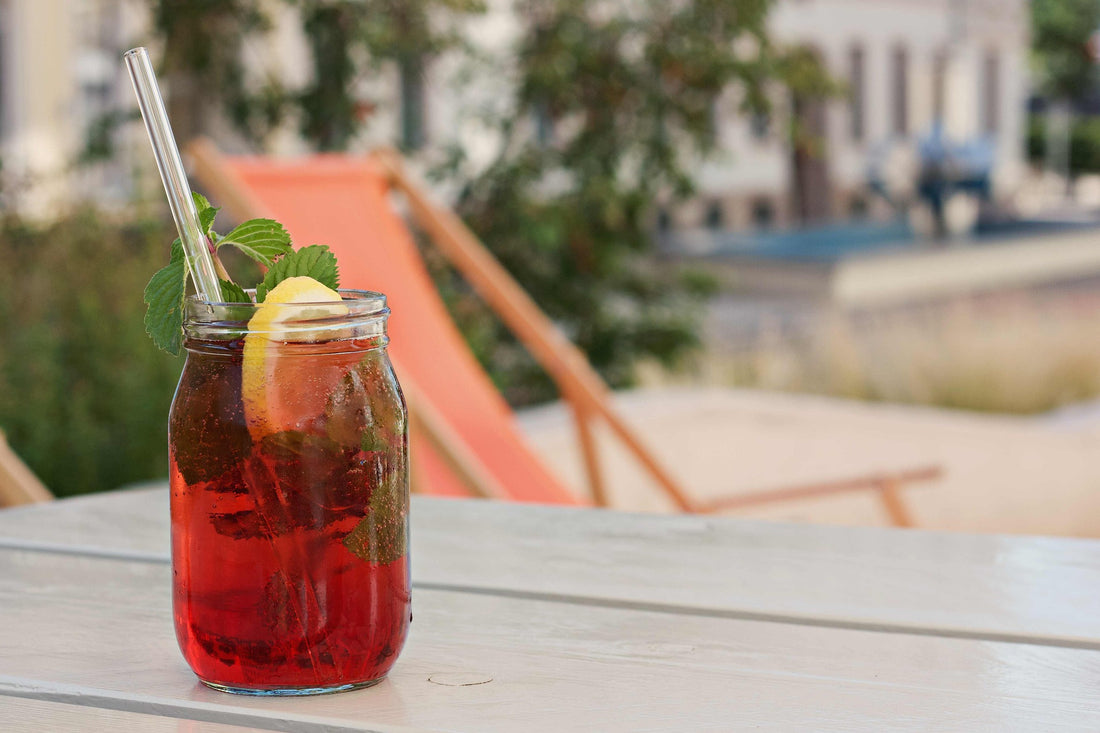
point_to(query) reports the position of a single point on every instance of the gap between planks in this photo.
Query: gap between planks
(192, 710)
(603, 602)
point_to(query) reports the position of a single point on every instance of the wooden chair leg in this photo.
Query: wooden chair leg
(633, 444)
(588, 451)
(888, 486)
(18, 484)
(565, 364)
(889, 489)
(423, 421)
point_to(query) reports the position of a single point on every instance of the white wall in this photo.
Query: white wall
(38, 93)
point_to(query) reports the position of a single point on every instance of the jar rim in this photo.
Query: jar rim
(367, 302)
(361, 311)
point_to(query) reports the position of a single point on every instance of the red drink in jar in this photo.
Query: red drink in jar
(289, 481)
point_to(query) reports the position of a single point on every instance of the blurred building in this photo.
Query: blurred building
(56, 76)
(907, 64)
(60, 72)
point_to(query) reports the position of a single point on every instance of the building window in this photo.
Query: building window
(991, 93)
(939, 86)
(899, 89)
(763, 214)
(856, 93)
(4, 111)
(412, 104)
(664, 220)
(714, 217)
(713, 120)
(760, 124)
(544, 125)
(858, 208)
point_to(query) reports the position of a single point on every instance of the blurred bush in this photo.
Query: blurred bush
(1084, 144)
(1024, 355)
(84, 394)
(624, 107)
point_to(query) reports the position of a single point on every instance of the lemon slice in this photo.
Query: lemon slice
(269, 380)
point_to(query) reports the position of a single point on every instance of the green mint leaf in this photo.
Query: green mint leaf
(315, 261)
(164, 296)
(206, 212)
(371, 441)
(206, 219)
(233, 293)
(381, 536)
(263, 240)
(210, 395)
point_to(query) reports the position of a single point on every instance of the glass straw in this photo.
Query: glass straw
(201, 265)
(199, 261)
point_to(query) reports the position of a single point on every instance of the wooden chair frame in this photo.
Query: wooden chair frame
(18, 484)
(579, 384)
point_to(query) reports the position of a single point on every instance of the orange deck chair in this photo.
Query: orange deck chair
(463, 432)
(464, 438)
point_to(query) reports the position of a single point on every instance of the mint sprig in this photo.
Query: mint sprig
(264, 240)
(381, 536)
(164, 300)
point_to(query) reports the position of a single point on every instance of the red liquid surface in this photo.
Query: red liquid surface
(268, 592)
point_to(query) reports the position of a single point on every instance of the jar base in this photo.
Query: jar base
(291, 691)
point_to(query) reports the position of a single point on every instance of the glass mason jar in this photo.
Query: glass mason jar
(289, 477)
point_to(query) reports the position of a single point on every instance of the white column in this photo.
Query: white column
(961, 93)
(41, 90)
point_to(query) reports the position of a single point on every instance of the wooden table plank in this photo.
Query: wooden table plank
(82, 628)
(23, 715)
(1034, 589)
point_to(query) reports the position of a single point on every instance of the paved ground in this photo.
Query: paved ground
(1002, 474)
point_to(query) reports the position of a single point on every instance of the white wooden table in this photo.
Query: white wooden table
(554, 619)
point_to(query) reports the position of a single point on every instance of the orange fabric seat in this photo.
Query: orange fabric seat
(343, 202)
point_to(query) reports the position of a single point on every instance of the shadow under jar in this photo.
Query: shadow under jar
(290, 495)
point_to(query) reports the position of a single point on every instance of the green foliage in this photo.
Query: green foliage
(626, 92)
(315, 261)
(1061, 30)
(83, 398)
(1084, 144)
(628, 97)
(348, 39)
(202, 64)
(164, 298)
(233, 293)
(262, 240)
(329, 112)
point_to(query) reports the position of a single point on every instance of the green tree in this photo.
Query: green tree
(625, 102)
(348, 41)
(201, 64)
(624, 96)
(1061, 33)
(84, 395)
